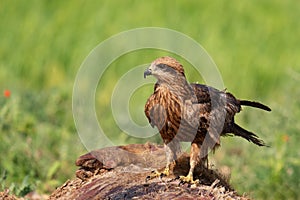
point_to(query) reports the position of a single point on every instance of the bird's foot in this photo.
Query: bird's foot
(156, 173)
(188, 179)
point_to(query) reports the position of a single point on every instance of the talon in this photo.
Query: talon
(147, 178)
(161, 175)
(189, 179)
(155, 174)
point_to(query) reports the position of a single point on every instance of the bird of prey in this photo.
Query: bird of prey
(196, 113)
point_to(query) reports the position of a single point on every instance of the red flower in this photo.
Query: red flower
(6, 93)
(285, 138)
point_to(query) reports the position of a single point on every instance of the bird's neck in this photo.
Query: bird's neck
(179, 87)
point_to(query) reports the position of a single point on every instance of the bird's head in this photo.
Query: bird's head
(165, 69)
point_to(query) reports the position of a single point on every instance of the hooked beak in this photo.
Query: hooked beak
(147, 72)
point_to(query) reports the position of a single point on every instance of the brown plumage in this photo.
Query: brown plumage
(193, 113)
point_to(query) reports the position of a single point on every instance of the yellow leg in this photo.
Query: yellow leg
(189, 179)
(171, 149)
(166, 172)
(194, 159)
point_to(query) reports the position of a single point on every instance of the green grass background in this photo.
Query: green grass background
(255, 45)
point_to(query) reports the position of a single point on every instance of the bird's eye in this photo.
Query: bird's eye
(161, 66)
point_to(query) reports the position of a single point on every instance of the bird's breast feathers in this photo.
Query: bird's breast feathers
(165, 108)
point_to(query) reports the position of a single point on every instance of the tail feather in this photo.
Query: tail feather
(254, 104)
(251, 137)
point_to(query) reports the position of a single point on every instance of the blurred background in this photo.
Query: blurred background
(255, 45)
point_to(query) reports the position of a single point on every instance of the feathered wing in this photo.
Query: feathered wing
(220, 108)
(213, 113)
(216, 99)
(217, 108)
(207, 94)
